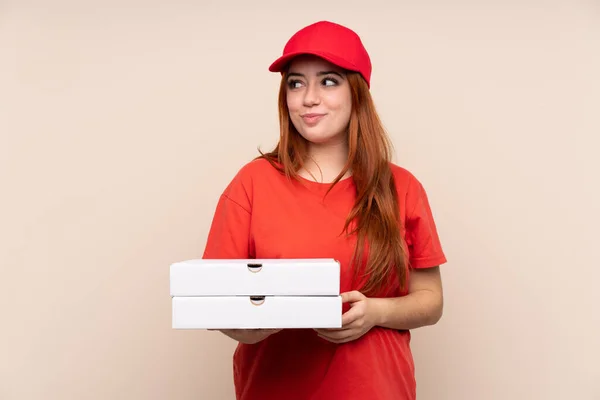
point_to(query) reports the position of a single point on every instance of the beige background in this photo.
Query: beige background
(121, 122)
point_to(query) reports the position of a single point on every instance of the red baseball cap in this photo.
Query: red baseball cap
(333, 42)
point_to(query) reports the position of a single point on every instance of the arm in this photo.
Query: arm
(422, 306)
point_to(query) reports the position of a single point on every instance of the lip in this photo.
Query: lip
(312, 118)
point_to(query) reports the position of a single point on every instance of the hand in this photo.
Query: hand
(248, 336)
(357, 321)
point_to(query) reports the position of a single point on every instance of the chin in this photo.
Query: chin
(317, 136)
(316, 139)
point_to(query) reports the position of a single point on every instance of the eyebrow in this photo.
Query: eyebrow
(321, 73)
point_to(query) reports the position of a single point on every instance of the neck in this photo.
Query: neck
(325, 161)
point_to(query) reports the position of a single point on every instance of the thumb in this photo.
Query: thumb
(352, 297)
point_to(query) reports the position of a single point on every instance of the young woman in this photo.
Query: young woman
(329, 190)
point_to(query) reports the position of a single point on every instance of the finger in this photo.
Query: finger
(351, 316)
(330, 329)
(326, 331)
(352, 297)
(344, 339)
(331, 339)
(336, 340)
(339, 335)
(349, 320)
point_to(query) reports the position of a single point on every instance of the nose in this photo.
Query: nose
(311, 95)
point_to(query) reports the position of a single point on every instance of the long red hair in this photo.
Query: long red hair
(375, 214)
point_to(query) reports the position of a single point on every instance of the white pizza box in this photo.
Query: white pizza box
(253, 312)
(255, 277)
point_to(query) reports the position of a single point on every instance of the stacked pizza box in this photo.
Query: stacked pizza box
(255, 294)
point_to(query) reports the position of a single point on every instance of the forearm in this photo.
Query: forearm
(417, 309)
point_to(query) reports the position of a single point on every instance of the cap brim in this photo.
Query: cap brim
(282, 62)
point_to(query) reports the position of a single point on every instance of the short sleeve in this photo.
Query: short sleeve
(424, 246)
(229, 233)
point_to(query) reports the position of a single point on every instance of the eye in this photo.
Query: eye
(294, 84)
(329, 81)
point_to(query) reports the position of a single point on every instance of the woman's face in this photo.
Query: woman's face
(318, 100)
